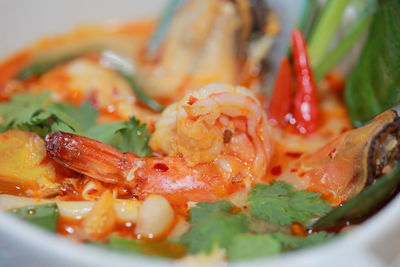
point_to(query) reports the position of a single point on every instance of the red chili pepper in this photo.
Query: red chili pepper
(281, 100)
(306, 107)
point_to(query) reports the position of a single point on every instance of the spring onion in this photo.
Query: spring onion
(325, 30)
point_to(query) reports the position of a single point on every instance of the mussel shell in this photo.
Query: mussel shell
(259, 13)
(383, 152)
(383, 177)
(253, 18)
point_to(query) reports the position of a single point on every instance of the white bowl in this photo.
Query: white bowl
(375, 243)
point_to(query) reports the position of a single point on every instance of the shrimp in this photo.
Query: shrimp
(217, 122)
(200, 48)
(84, 79)
(215, 142)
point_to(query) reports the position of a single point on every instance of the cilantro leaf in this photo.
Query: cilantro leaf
(134, 137)
(213, 225)
(308, 205)
(58, 126)
(61, 116)
(246, 246)
(36, 114)
(80, 119)
(24, 111)
(280, 204)
(290, 242)
(45, 215)
(127, 136)
(105, 133)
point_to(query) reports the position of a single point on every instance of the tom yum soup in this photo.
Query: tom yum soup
(162, 137)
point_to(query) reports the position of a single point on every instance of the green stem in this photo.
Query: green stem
(163, 26)
(310, 13)
(40, 67)
(360, 26)
(308, 18)
(141, 95)
(44, 215)
(325, 30)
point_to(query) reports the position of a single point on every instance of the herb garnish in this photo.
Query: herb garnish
(213, 225)
(374, 83)
(277, 206)
(44, 216)
(280, 204)
(35, 113)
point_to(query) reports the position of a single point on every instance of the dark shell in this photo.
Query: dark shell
(259, 12)
(383, 176)
(384, 151)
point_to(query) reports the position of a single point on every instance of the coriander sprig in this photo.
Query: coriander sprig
(36, 113)
(276, 206)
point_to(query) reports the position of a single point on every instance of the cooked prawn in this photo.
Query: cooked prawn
(218, 122)
(200, 48)
(85, 79)
(218, 143)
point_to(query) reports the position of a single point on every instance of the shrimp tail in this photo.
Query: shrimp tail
(88, 156)
(167, 176)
